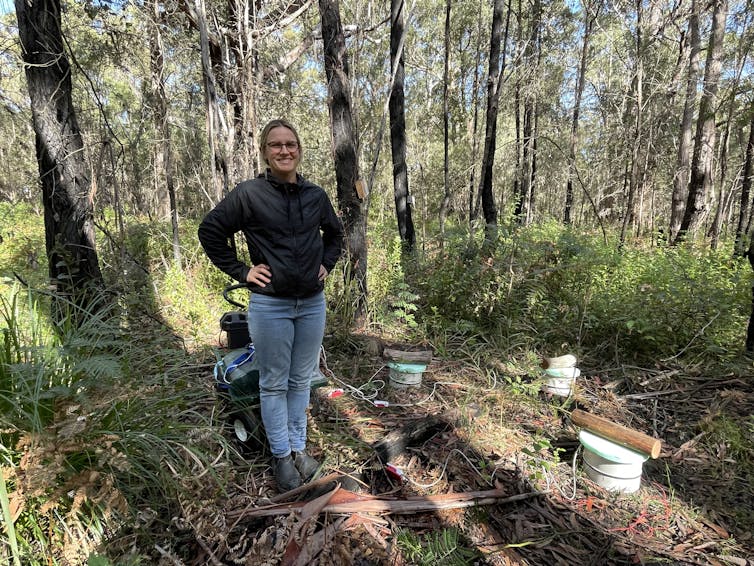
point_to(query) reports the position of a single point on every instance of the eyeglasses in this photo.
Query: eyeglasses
(278, 146)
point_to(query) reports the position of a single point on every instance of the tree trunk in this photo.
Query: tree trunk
(215, 120)
(344, 146)
(493, 95)
(531, 55)
(69, 223)
(704, 145)
(398, 128)
(744, 214)
(166, 201)
(445, 126)
(681, 179)
(634, 184)
(590, 16)
(473, 202)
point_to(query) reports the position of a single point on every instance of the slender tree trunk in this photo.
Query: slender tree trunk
(473, 204)
(702, 166)
(685, 147)
(166, 202)
(344, 146)
(215, 119)
(744, 215)
(445, 125)
(68, 211)
(398, 129)
(523, 211)
(590, 16)
(493, 95)
(634, 182)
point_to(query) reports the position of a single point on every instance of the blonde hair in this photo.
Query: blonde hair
(271, 125)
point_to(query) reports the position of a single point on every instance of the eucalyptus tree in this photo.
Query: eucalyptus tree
(69, 227)
(531, 59)
(165, 192)
(398, 126)
(344, 143)
(700, 182)
(590, 11)
(690, 48)
(495, 70)
(746, 208)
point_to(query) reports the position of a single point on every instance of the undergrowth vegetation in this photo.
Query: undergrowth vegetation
(108, 430)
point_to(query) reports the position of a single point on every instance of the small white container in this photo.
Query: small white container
(561, 381)
(610, 465)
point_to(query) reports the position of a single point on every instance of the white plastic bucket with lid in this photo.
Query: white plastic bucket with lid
(560, 380)
(610, 465)
(406, 375)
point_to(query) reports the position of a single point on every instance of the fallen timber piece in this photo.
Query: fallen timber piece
(620, 434)
(407, 357)
(414, 433)
(566, 361)
(344, 501)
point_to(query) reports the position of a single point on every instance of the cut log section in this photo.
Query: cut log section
(627, 437)
(407, 357)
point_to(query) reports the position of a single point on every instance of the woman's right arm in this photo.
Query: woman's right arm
(220, 224)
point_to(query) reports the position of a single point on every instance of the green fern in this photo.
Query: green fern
(439, 547)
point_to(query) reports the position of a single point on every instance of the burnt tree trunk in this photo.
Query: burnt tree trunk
(396, 105)
(344, 147)
(69, 223)
(493, 96)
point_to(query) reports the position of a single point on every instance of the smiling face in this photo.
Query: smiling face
(282, 152)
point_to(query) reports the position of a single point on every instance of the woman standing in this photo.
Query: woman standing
(294, 239)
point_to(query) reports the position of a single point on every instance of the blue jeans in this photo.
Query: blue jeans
(287, 335)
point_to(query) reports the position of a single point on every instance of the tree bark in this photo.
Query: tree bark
(525, 201)
(344, 146)
(700, 183)
(681, 179)
(445, 125)
(590, 16)
(166, 201)
(68, 210)
(634, 183)
(743, 226)
(396, 106)
(493, 96)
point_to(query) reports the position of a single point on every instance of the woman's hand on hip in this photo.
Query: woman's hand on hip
(259, 275)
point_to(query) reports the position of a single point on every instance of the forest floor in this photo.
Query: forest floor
(492, 437)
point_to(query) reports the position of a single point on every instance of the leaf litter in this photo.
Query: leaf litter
(695, 504)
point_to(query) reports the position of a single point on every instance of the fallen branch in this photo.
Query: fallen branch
(345, 501)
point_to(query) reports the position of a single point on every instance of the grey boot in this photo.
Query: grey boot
(305, 464)
(286, 473)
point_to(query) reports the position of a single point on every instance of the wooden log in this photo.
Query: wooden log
(566, 361)
(414, 433)
(346, 502)
(407, 357)
(619, 434)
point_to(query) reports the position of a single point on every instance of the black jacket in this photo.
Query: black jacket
(291, 227)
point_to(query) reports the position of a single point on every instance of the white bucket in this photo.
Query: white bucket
(611, 465)
(406, 375)
(561, 381)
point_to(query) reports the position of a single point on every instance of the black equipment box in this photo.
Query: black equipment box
(236, 327)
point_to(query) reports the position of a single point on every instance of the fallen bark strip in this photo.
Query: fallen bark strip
(350, 502)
